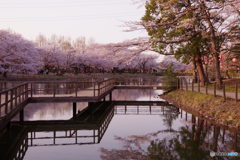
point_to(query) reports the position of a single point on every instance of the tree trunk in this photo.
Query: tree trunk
(201, 74)
(227, 74)
(213, 45)
(206, 71)
(217, 67)
(194, 71)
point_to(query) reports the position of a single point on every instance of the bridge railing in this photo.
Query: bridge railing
(104, 86)
(70, 89)
(11, 98)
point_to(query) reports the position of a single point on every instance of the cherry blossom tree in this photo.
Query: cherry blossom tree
(176, 24)
(18, 55)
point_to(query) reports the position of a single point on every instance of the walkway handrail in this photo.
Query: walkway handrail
(3, 91)
(93, 88)
(105, 85)
(11, 98)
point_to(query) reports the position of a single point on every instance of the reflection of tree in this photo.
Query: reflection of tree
(161, 150)
(170, 114)
(132, 149)
(186, 144)
(188, 147)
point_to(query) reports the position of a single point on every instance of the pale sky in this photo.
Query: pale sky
(97, 19)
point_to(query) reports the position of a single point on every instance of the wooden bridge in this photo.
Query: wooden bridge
(13, 100)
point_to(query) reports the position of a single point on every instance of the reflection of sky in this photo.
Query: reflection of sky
(50, 111)
(137, 94)
(121, 125)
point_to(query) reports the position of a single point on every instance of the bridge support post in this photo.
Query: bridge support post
(74, 109)
(21, 115)
(110, 96)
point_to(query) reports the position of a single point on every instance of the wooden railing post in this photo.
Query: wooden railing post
(11, 99)
(20, 94)
(198, 85)
(180, 83)
(182, 87)
(186, 82)
(22, 91)
(31, 89)
(236, 94)
(6, 102)
(26, 91)
(15, 96)
(98, 88)
(215, 87)
(177, 83)
(224, 92)
(192, 85)
(94, 89)
(206, 88)
(0, 104)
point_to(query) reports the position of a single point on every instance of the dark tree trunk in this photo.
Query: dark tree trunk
(194, 71)
(227, 74)
(201, 74)
(214, 48)
(217, 69)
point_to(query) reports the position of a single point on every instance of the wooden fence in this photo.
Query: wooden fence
(11, 98)
(228, 90)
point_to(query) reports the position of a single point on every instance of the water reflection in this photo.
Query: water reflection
(137, 94)
(111, 130)
(84, 129)
(175, 138)
(50, 111)
(189, 142)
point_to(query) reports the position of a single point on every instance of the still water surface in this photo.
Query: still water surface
(123, 132)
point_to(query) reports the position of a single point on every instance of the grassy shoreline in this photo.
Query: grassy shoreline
(214, 109)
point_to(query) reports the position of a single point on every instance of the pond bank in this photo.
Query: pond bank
(214, 109)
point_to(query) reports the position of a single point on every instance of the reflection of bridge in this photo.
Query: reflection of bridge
(22, 135)
(87, 127)
(144, 110)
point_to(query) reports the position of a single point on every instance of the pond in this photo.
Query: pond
(120, 131)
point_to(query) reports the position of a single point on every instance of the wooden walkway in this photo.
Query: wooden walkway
(13, 100)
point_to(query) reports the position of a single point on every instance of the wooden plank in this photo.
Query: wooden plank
(236, 92)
